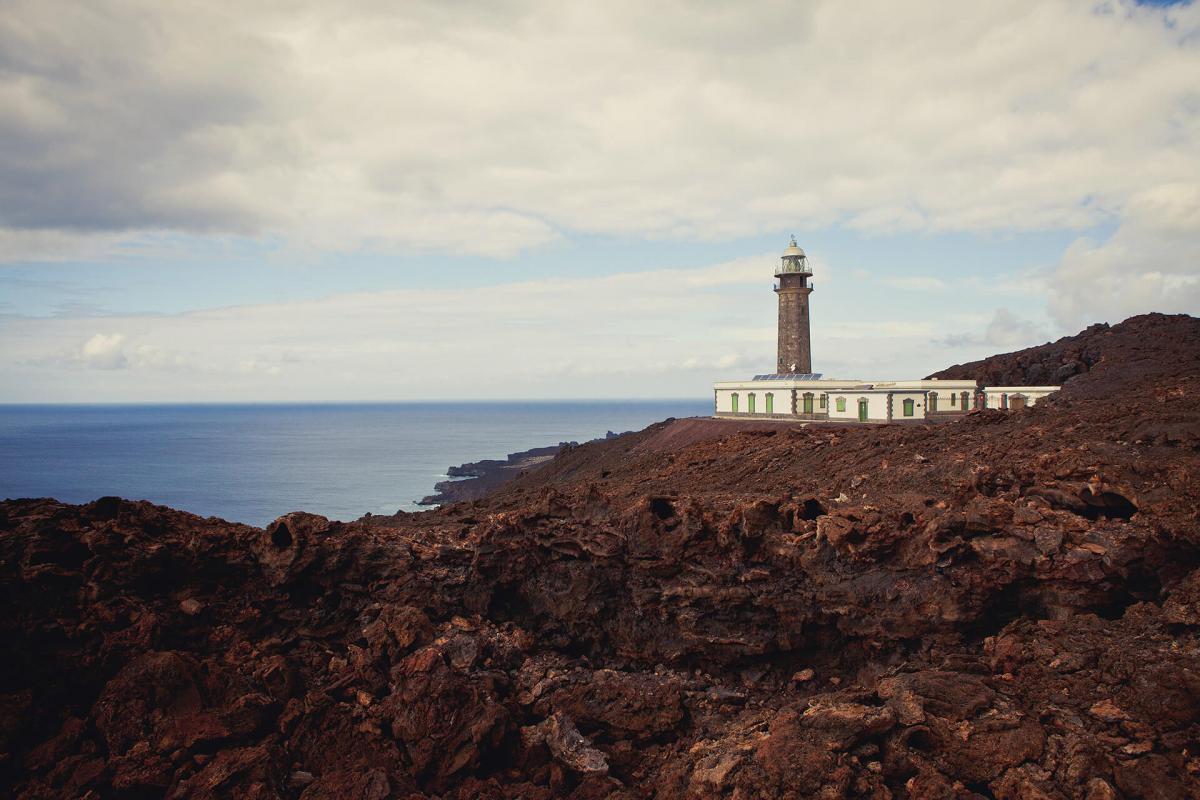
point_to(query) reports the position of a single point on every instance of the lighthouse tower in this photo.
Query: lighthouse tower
(793, 288)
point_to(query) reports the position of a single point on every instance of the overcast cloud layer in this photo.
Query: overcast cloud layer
(498, 128)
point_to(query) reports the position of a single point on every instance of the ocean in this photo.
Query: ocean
(251, 463)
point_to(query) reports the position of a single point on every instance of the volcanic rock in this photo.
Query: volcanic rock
(701, 609)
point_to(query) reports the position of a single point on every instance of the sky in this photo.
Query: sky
(376, 201)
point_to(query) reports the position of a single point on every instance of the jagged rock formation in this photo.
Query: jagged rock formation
(476, 479)
(1001, 606)
(1056, 363)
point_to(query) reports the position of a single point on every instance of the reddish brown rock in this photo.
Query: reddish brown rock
(1002, 605)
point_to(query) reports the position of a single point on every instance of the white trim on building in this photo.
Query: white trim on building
(862, 401)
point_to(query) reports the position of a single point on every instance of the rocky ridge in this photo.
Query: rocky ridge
(1005, 606)
(475, 479)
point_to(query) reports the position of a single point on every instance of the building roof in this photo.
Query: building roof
(788, 376)
(793, 250)
(816, 381)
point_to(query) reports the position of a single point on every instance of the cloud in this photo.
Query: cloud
(493, 128)
(664, 332)
(959, 339)
(51, 244)
(918, 283)
(104, 351)
(1150, 263)
(251, 366)
(726, 362)
(1007, 330)
(1004, 331)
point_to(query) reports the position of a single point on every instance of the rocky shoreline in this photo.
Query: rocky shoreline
(475, 479)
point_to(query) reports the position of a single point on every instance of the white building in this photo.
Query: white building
(1014, 397)
(809, 396)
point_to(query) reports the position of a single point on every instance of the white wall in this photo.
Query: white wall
(782, 405)
(877, 398)
(898, 399)
(1032, 394)
(944, 395)
(851, 411)
(876, 404)
(723, 403)
(816, 400)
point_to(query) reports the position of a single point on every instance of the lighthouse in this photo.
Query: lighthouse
(793, 288)
(795, 393)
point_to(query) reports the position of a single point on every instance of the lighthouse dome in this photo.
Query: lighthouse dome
(793, 261)
(793, 250)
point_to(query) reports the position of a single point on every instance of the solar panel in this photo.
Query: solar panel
(789, 376)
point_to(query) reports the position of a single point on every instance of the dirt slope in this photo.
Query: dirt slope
(1005, 606)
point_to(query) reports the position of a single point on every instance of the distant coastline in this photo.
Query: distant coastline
(251, 463)
(475, 479)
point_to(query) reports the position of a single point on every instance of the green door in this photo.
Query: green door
(770, 402)
(733, 402)
(750, 404)
(808, 404)
(862, 410)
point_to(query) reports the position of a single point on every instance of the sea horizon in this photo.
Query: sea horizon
(252, 462)
(287, 403)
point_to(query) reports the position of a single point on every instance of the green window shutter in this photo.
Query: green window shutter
(908, 407)
(841, 405)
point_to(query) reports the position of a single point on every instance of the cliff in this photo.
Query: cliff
(475, 479)
(1006, 606)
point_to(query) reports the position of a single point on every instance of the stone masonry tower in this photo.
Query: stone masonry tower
(795, 346)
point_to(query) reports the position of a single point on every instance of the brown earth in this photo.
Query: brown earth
(1003, 606)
